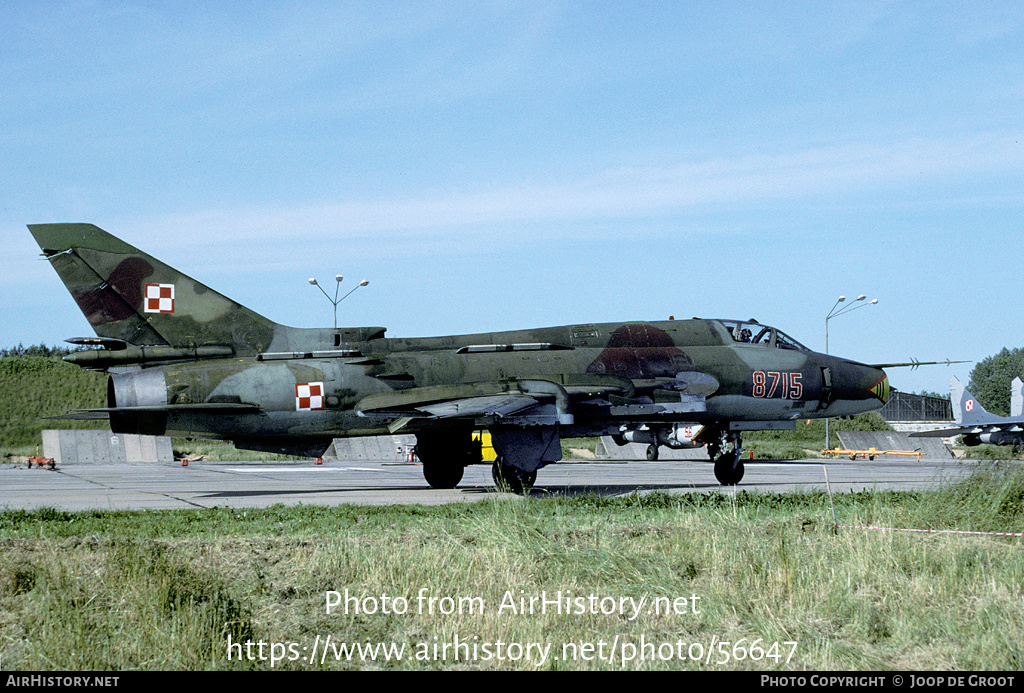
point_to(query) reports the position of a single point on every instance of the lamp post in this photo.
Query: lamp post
(337, 288)
(834, 313)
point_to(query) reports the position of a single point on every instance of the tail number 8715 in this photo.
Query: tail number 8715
(778, 384)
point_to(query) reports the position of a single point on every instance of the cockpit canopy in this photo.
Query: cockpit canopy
(753, 332)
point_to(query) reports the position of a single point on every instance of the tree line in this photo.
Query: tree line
(49, 352)
(991, 378)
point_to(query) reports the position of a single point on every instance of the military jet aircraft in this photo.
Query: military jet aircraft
(975, 426)
(201, 365)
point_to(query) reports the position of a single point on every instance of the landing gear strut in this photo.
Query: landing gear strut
(511, 479)
(521, 451)
(729, 463)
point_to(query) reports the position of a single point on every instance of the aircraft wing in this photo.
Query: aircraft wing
(521, 402)
(940, 432)
(980, 429)
(530, 401)
(495, 405)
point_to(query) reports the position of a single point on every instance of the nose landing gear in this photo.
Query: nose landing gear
(728, 463)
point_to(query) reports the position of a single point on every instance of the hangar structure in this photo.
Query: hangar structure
(907, 413)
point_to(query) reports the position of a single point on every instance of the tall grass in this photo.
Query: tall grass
(171, 589)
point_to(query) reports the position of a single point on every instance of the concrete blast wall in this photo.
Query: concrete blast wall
(383, 448)
(932, 448)
(104, 447)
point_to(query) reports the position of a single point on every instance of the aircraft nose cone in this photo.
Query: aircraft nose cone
(881, 387)
(856, 387)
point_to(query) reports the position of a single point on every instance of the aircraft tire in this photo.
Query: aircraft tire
(509, 479)
(442, 476)
(729, 468)
(652, 453)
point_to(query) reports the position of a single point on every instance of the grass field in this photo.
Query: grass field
(702, 582)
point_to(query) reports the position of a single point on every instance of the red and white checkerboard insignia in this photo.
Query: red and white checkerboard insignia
(159, 298)
(969, 405)
(309, 396)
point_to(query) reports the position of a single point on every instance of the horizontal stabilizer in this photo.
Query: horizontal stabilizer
(202, 407)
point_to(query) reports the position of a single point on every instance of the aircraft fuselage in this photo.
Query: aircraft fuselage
(305, 398)
(207, 366)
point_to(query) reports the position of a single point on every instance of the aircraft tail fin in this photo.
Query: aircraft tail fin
(967, 410)
(131, 297)
(1017, 398)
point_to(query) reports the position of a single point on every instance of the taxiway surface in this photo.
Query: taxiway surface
(255, 484)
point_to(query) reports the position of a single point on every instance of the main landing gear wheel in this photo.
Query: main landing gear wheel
(729, 468)
(444, 455)
(442, 476)
(511, 479)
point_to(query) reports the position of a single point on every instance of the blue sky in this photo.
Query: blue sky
(506, 165)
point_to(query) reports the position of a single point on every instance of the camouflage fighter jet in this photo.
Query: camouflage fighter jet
(975, 425)
(201, 365)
